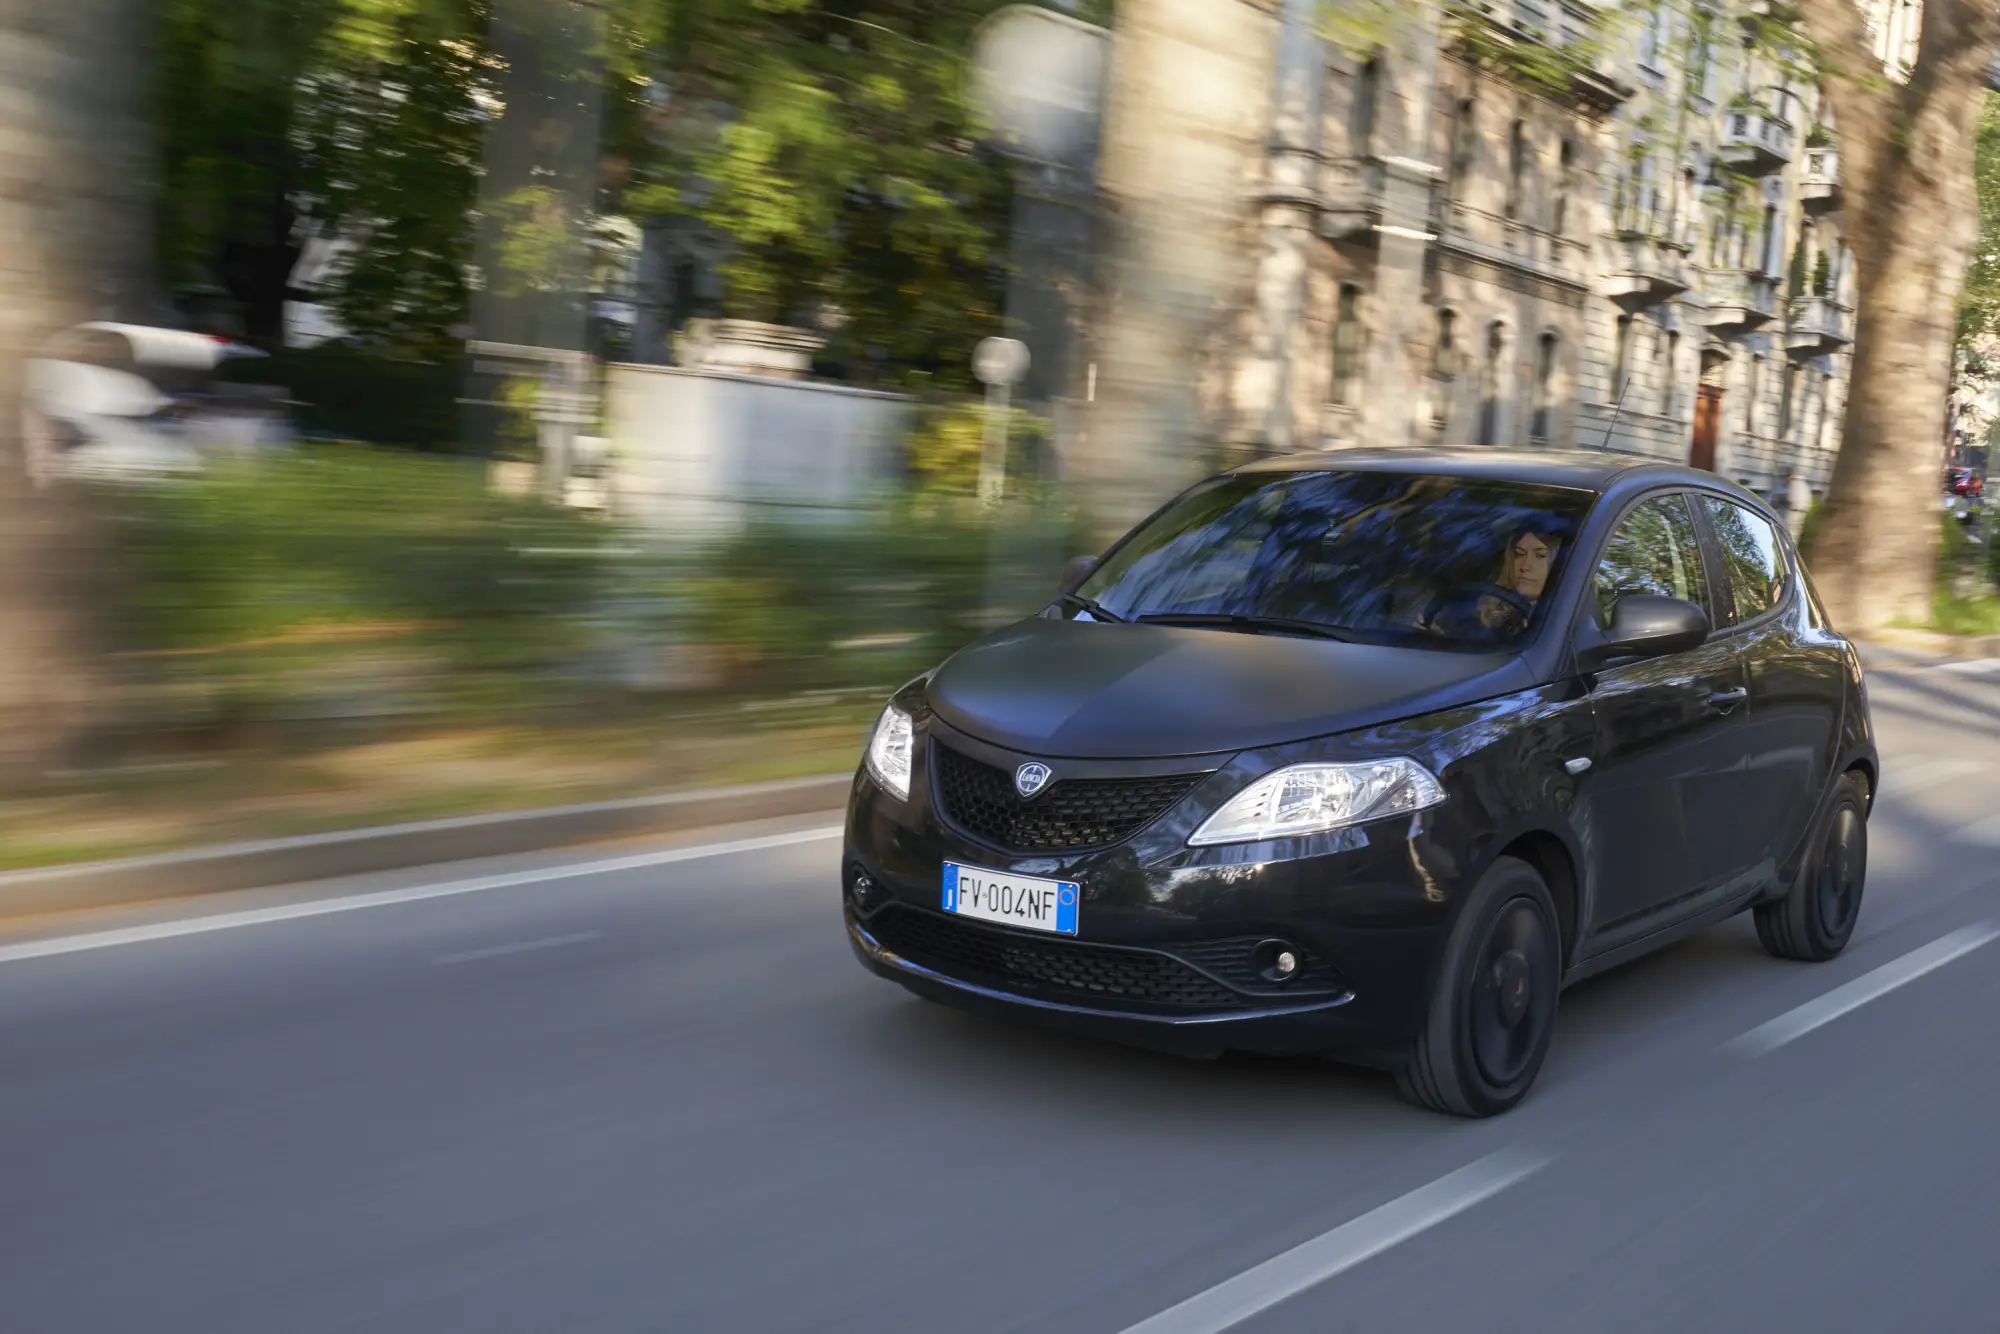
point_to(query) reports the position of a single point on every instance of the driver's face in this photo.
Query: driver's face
(1528, 565)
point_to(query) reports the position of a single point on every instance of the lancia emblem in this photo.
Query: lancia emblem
(1031, 778)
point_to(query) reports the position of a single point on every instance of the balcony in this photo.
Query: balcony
(1738, 301)
(1815, 324)
(1353, 191)
(1756, 140)
(1819, 182)
(1645, 270)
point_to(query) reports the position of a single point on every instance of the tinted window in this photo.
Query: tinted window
(1446, 562)
(1655, 550)
(1751, 554)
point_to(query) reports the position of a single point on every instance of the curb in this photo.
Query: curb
(1930, 642)
(233, 866)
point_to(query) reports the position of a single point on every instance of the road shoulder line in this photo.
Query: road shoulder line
(1310, 1263)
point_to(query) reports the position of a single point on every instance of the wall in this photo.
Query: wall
(697, 454)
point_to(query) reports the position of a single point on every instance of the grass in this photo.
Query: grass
(137, 810)
(1966, 601)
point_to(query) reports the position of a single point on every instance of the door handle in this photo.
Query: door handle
(1722, 701)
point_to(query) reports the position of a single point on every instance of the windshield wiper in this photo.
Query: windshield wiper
(1079, 600)
(1222, 620)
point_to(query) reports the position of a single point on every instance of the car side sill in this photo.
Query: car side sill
(1646, 944)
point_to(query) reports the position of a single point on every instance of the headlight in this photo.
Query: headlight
(1313, 798)
(889, 752)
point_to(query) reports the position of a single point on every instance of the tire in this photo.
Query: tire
(1815, 919)
(1493, 1007)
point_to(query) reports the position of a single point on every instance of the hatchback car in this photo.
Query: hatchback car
(1372, 753)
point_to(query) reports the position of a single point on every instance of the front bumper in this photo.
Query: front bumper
(1276, 1029)
(1166, 932)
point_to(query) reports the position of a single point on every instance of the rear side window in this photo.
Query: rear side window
(1752, 555)
(1654, 550)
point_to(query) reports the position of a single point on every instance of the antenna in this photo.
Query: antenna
(1605, 443)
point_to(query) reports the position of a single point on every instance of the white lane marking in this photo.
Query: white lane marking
(1972, 666)
(1907, 780)
(1869, 986)
(1235, 1300)
(523, 947)
(134, 935)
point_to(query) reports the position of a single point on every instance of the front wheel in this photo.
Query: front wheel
(1815, 919)
(1493, 1008)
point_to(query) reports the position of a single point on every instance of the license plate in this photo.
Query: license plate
(1016, 900)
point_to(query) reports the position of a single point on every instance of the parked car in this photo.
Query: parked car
(1372, 753)
(127, 401)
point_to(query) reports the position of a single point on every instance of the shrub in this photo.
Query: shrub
(356, 395)
(269, 585)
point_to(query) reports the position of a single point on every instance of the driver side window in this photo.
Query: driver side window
(1654, 550)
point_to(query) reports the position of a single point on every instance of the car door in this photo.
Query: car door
(1669, 757)
(1794, 670)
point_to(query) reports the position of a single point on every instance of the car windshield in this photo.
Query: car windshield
(1380, 557)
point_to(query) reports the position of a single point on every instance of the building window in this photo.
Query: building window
(1766, 263)
(1362, 127)
(1668, 373)
(1346, 345)
(1785, 400)
(1517, 168)
(1755, 373)
(1489, 396)
(1462, 140)
(1444, 367)
(1565, 171)
(1545, 375)
(1651, 36)
(1621, 348)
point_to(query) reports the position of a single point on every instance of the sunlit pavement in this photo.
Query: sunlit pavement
(660, 1095)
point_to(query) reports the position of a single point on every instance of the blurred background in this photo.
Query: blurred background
(420, 407)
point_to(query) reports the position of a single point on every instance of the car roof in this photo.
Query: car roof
(1580, 468)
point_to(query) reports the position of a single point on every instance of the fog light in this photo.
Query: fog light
(861, 887)
(1276, 960)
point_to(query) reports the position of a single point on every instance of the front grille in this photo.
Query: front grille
(1069, 814)
(1056, 969)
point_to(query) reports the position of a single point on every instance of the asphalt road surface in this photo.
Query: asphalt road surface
(654, 1092)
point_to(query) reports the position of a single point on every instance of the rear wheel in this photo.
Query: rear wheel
(1815, 919)
(1494, 1006)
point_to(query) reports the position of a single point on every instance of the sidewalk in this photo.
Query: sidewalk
(235, 866)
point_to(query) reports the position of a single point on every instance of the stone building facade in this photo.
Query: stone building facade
(1538, 224)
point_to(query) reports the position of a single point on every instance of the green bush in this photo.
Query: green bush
(1809, 529)
(355, 395)
(343, 570)
(791, 608)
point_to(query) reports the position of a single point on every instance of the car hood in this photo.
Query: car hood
(1094, 691)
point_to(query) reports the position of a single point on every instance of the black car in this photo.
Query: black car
(1371, 753)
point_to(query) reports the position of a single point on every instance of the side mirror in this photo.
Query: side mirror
(1074, 572)
(1643, 625)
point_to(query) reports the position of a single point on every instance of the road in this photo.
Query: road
(654, 1092)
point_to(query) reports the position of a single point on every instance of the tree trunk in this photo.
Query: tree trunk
(1907, 156)
(1875, 554)
(75, 242)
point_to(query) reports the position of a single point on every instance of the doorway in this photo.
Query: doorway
(1707, 419)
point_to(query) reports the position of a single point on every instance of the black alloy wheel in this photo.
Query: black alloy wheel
(1493, 1010)
(1816, 917)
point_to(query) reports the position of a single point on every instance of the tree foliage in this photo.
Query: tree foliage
(831, 147)
(1979, 302)
(835, 149)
